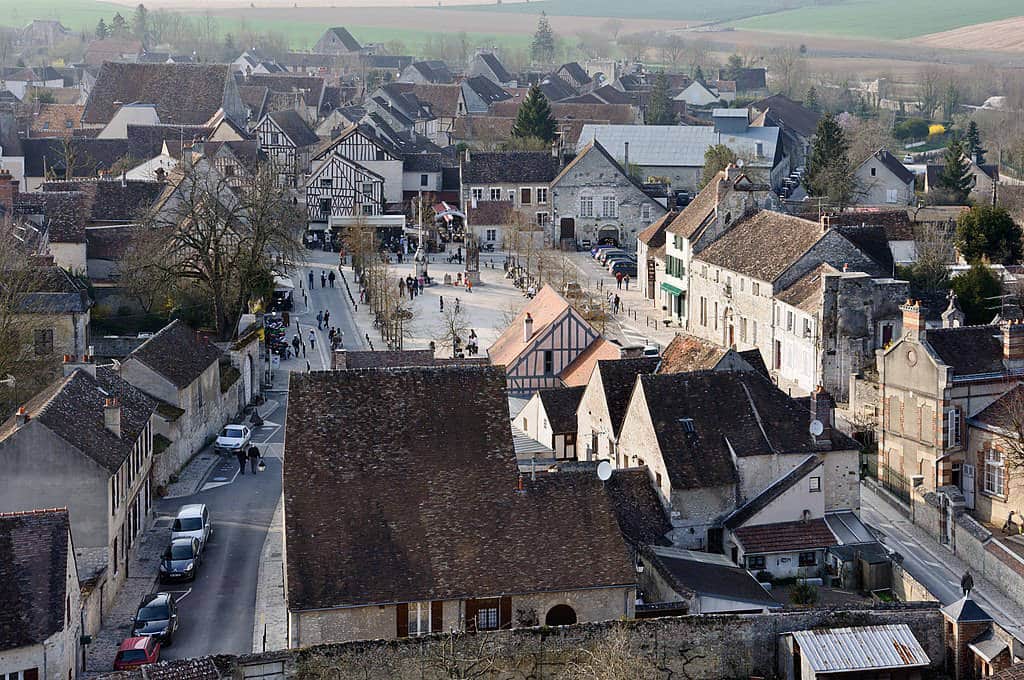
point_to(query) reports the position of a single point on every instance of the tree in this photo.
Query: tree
(977, 290)
(716, 159)
(988, 233)
(542, 49)
(955, 179)
(453, 329)
(929, 81)
(101, 29)
(733, 67)
(611, 658)
(789, 70)
(698, 74)
(973, 143)
(140, 23)
(811, 99)
(659, 105)
(672, 49)
(930, 272)
(829, 173)
(118, 26)
(534, 118)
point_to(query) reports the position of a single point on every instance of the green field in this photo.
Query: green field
(676, 10)
(885, 19)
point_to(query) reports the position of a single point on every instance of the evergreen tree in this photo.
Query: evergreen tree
(118, 26)
(698, 74)
(973, 140)
(101, 30)
(534, 118)
(733, 67)
(542, 50)
(988, 233)
(811, 99)
(956, 180)
(974, 290)
(140, 23)
(716, 158)
(659, 105)
(829, 173)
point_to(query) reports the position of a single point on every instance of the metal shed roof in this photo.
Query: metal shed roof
(841, 650)
(680, 145)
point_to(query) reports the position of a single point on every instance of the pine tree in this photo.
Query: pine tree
(811, 99)
(118, 26)
(829, 173)
(956, 179)
(659, 106)
(542, 50)
(534, 119)
(974, 143)
(733, 67)
(101, 30)
(698, 74)
(140, 23)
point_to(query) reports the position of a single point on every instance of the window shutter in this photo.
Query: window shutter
(436, 616)
(30, 674)
(505, 612)
(402, 620)
(471, 608)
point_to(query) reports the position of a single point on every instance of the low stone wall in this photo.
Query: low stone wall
(906, 588)
(114, 346)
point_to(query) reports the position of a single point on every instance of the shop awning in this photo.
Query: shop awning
(668, 288)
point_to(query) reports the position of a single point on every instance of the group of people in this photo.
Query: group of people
(620, 279)
(614, 302)
(252, 454)
(411, 285)
(472, 347)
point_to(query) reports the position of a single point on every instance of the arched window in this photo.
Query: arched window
(560, 615)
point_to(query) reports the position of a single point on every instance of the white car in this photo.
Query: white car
(192, 521)
(232, 438)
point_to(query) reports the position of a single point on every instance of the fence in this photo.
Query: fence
(894, 482)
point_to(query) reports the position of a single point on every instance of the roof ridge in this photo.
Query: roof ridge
(37, 511)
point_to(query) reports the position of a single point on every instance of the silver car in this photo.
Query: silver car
(193, 521)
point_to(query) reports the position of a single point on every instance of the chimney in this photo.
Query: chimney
(8, 191)
(913, 320)
(527, 327)
(112, 415)
(339, 360)
(826, 223)
(22, 416)
(759, 149)
(626, 155)
(71, 364)
(733, 172)
(823, 410)
(1013, 341)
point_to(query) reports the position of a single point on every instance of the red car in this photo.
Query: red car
(135, 652)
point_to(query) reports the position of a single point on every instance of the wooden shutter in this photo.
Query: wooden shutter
(436, 616)
(471, 615)
(402, 620)
(30, 674)
(505, 612)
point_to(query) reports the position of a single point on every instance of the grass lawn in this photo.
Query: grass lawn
(679, 10)
(885, 19)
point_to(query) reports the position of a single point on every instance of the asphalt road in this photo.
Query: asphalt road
(216, 611)
(321, 298)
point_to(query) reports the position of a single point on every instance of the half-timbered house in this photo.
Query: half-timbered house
(340, 187)
(366, 149)
(545, 338)
(288, 142)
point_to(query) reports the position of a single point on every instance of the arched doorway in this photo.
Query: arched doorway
(560, 615)
(608, 235)
(247, 378)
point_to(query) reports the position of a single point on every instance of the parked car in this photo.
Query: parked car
(232, 438)
(135, 652)
(652, 351)
(157, 617)
(605, 254)
(627, 269)
(181, 560)
(612, 261)
(908, 158)
(192, 521)
(597, 249)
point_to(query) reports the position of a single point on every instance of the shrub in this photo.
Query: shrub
(804, 594)
(936, 129)
(912, 128)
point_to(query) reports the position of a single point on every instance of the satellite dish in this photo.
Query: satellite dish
(604, 471)
(816, 427)
(740, 163)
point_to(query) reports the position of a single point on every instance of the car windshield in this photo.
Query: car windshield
(182, 551)
(233, 432)
(188, 524)
(133, 655)
(154, 612)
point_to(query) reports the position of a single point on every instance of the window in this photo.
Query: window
(419, 618)
(717, 275)
(115, 554)
(645, 212)
(674, 267)
(229, 170)
(275, 139)
(609, 206)
(873, 172)
(716, 315)
(815, 484)
(755, 562)
(703, 311)
(495, 194)
(807, 328)
(743, 284)
(954, 425)
(511, 195)
(424, 180)
(995, 472)
(326, 182)
(325, 206)
(492, 234)
(753, 335)
(525, 196)
(477, 193)
(808, 559)
(543, 218)
(743, 329)
(790, 319)
(892, 196)
(586, 206)
(755, 288)
(542, 195)
(368, 188)
(487, 618)
(27, 674)
(69, 124)
(367, 209)
(549, 362)
(46, 125)
(43, 341)
(380, 155)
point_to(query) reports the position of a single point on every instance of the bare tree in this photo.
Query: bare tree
(788, 68)
(453, 328)
(929, 81)
(1008, 416)
(865, 137)
(612, 27)
(935, 253)
(611, 658)
(672, 49)
(634, 45)
(466, 657)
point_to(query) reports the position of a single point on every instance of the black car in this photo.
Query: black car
(157, 616)
(181, 560)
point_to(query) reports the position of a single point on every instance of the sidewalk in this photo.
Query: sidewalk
(270, 626)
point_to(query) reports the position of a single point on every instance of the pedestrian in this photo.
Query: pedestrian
(616, 305)
(441, 300)
(330, 336)
(254, 458)
(286, 318)
(295, 344)
(311, 279)
(323, 279)
(401, 288)
(469, 285)
(319, 319)
(330, 277)
(327, 318)
(626, 280)
(967, 583)
(312, 341)
(618, 280)
(456, 305)
(240, 455)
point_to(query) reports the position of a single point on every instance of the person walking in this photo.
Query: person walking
(469, 285)
(615, 306)
(295, 344)
(618, 280)
(319, 319)
(311, 279)
(456, 305)
(967, 583)
(323, 279)
(330, 277)
(625, 280)
(401, 288)
(441, 300)
(312, 341)
(254, 458)
(240, 455)
(340, 335)
(327, 318)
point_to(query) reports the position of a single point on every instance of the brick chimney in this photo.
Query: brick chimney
(913, 320)
(339, 360)
(112, 415)
(1013, 341)
(826, 223)
(823, 410)
(72, 363)
(22, 417)
(8, 191)
(527, 327)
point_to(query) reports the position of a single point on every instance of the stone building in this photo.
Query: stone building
(522, 178)
(882, 180)
(991, 441)
(603, 406)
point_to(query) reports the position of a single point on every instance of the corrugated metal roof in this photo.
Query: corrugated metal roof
(840, 650)
(680, 145)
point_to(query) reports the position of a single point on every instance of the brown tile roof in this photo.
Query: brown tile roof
(177, 353)
(544, 308)
(654, 235)
(756, 361)
(560, 404)
(638, 510)
(56, 120)
(293, 125)
(112, 200)
(34, 549)
(1002, 411)
(72, 408)
(785, 112)
(615, 114)
(110, 50)
(510, 166)
(763, 245)
(427, 508)
(1015, 672)
(65, 213)
(969, 350)
(489, 128)
(687, 353)
(487, 213)
(188, 94)
(896, 223)
(703, 205)
(578, 372)
(254, 97)
(108, 243)
(442, 99)
(785, 537)
(618, 377)
(310, 87)
(806, 292)
(388, 359)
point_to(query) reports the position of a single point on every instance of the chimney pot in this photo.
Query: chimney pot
(527, 327)
(1013, 341)
(22, 416)
(913, 319)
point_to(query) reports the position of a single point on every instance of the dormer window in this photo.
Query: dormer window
(687, 425)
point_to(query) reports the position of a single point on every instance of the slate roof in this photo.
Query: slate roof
(293, 125)
(555, 88)
(687, 353)
(177, 353)
(762, 246)
(933, 171)
(421, 503)
(785, 112)
(346, 38)
(748, 510)
(969, 350)
(1000, 412)
(55, 292)
(709, 577)
(578, 372)
(873, 242)
(748, 79)
(654, 235)
(487, 89)
(34, 549)
(254, 97)
(72, 408)
(433, 71)
(785, 537)
(147, 141)
(92, 155)
(618, 377)
(560, 404)
(756, 361)
(510, 166)
(806, 292)
(638, 510)
(893, 165)
(496, 67)
(612, 95)
(182, 93)
(576, 72)
(966, 610)
(111, 200)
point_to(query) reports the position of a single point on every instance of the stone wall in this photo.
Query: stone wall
(906, 588)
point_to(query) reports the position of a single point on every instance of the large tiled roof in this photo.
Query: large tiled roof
(56, 120)
(560, 404)
(641, 516)
(654, 235)
(346, 38)
(544, 308)
(427, 508)
(623, 114)
(1001, 412)
(486, 89)
(510, 166)
(687, 353)
(496, 67)
(491, 128)
(763, 245)
(969, 350)
(177, 353)
(785, 537)
(34, 549)
(113, 200)
(873, 242)
(65, 213)
(702, 207)
(710, 576)
(784, 112)
(91, 155)
(806, 292)
(618, 377)
(578, 372)
(487, 213)
(182, 93)
(72, 408)
(311, 88)
(443, 100)
(292, 124)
